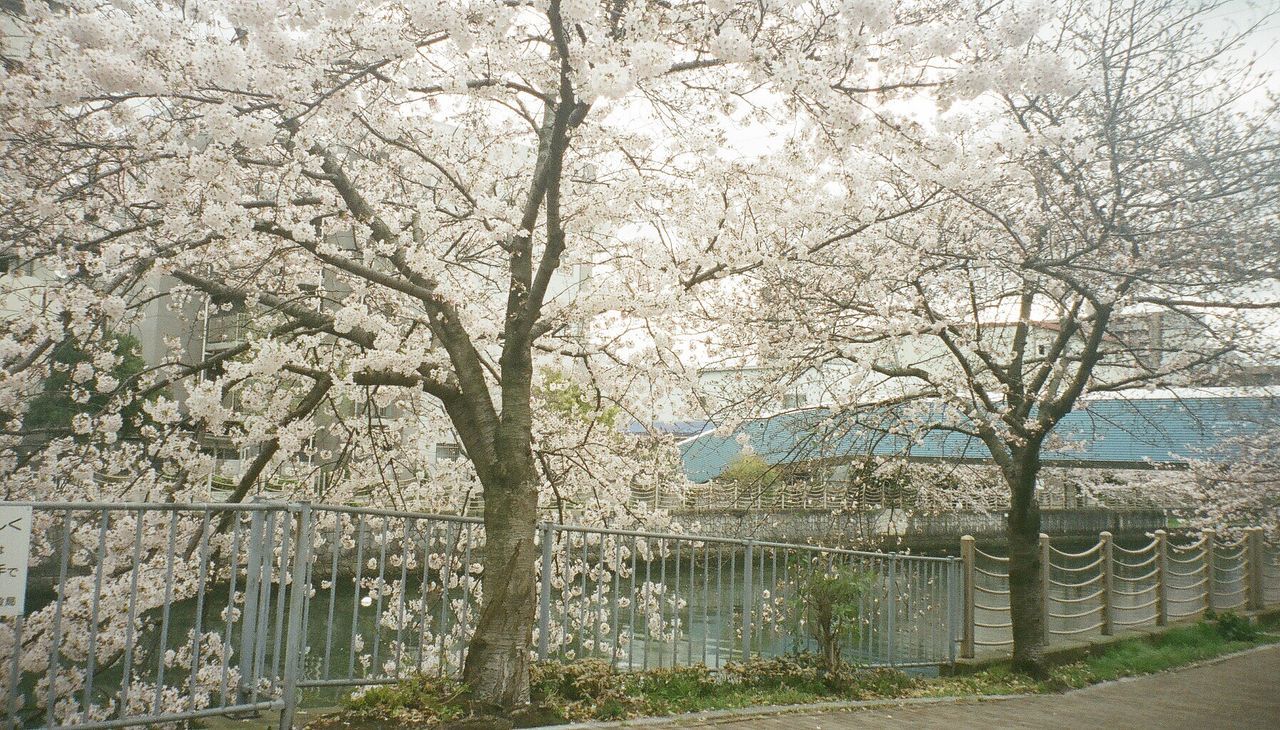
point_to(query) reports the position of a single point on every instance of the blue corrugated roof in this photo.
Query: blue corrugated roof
(1115, 432)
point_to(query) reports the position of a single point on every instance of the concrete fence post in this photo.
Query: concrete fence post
(966, 562)
(1105, 557)
(1162, 578)
(1255, 553)
(1045, 577)
(1210, 569)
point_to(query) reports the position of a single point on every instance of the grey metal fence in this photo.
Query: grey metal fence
(162, 613)
(154, 613)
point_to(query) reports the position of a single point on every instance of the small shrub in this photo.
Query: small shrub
(809, 673)
(1234, 627)
(882, 682)
(576, 680)
(675, 684)
(419, 699)
(830, 601)
(795, 671)
(588, 689)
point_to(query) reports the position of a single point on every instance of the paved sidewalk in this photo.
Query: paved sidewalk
(1243, 692)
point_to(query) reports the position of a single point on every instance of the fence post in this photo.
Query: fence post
(966, 560)
(1162, 579)
(1045, 578)
(1210, 570)
(893, 605)
(953, 582)
(544, 594)
(1107, 570)
(296, 633)
(746, 603)
(1254, 552)
(249, 612)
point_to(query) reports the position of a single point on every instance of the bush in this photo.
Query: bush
(420, 699)
(675, 684)
(1232, 626)
(830, 600)
(592, 690)
(588, 689)
(809, 673)
(794, 671)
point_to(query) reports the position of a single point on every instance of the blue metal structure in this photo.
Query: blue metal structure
(1116, 432)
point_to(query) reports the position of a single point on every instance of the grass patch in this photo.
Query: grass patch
(1176, 647)
(592, 690)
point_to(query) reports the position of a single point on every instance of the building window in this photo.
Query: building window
(794, 400)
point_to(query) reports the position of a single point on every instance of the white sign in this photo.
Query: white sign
(15, 548)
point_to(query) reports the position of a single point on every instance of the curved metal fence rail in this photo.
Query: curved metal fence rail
(145, 614)
(1108, 587)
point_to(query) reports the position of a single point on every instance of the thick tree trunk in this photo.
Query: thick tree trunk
(1025, 576)
(497, 666)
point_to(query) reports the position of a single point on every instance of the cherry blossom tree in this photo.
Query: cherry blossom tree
(1237, 487)
(1111, 227)
(404, 206)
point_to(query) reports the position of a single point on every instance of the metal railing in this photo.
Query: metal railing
(1109, 588)
(161, 613)
(819, 494)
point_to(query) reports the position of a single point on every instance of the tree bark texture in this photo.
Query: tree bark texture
(496, 671)
(1026, 591)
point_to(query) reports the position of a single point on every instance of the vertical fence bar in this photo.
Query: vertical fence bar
(706, 597)
(233, 570)
(544, 593)
(281, 575)
(1210, 570)
(202, 576)
(675, 611)
(892, 607)
(55, 645)
(746, 603)
(249, 614)
(467, 586)
(966, 561)
(91, 655)
(409, 526)
(1108, 570)
(661, 597)
(1254, 553)
(15, 675)
(1162, 578)
(953, 583)
(631, 604)
(168, 606)
(616, 647)
(335, 547)
(1046, 574)
(296, 631)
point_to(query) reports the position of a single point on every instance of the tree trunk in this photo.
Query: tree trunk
(1026, 592)
(497, 666)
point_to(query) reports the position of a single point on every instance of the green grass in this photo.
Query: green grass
(1128, 658)
(592, 690)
